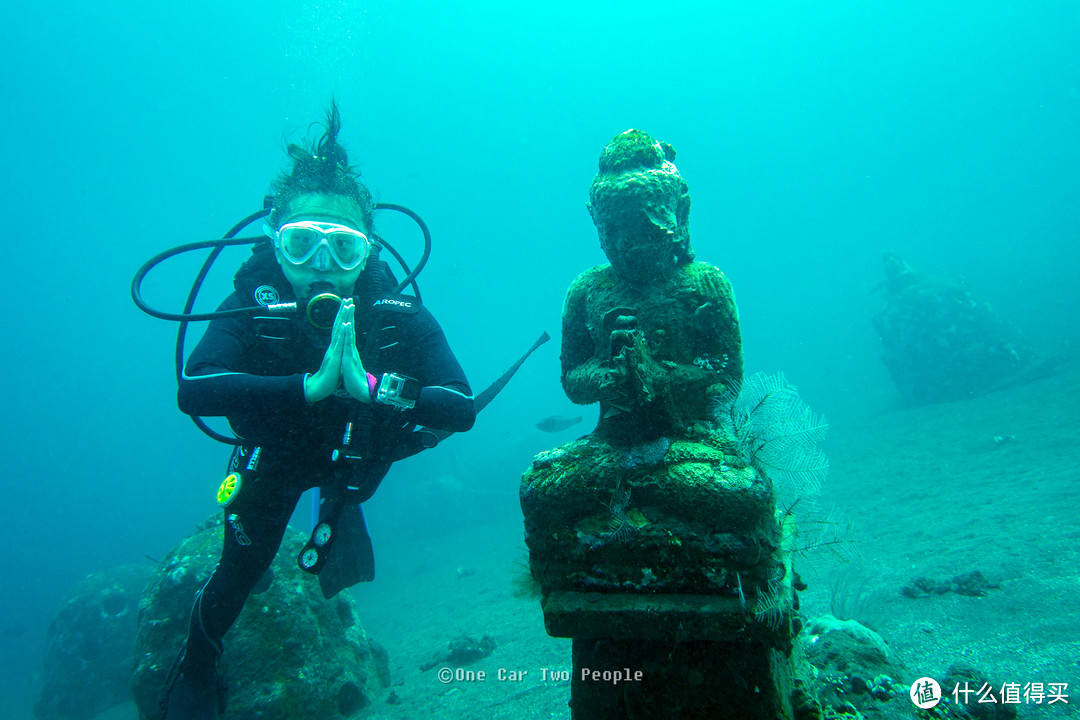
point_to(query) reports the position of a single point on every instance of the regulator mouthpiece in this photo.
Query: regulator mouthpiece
(322, 309)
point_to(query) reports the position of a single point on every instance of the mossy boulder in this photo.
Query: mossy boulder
(856, 672)
(87, 666)
(292, 653)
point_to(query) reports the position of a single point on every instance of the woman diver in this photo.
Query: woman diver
(317, 402)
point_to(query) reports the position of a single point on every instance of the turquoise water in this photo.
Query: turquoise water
(813, 136)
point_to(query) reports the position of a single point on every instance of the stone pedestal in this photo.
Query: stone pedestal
(680, 681)
(668, 566)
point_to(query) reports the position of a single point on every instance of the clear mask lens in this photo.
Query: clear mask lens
(300, 241)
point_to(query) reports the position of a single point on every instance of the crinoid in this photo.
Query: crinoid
(770, 606)
(776, 433)
(620, 526)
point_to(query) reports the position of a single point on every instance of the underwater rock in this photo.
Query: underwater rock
(855, 668)
(463, 650)
(291, 654)
(922, 587)
(940, 342)
(972, 584)
(90, 647)
(830, 639)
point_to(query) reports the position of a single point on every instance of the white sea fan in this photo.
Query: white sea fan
(777, 434)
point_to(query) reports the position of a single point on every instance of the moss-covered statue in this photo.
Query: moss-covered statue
(655, 540)
(654, 335)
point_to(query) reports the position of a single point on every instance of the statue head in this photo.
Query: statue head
(641, 208)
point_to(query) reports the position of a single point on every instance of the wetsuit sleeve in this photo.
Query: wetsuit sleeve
(221, 377)
(446, 400)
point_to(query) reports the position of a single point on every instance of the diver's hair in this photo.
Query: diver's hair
(634, 159)
(322, 167)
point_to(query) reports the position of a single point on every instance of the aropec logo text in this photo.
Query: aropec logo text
(392, 301)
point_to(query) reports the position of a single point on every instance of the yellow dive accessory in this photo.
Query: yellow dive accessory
(229, 487)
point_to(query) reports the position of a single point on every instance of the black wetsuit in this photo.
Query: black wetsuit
(251, 370)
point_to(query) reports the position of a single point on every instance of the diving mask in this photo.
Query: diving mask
(299, 241)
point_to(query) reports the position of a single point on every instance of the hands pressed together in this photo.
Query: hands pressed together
(632, 364)
(341, 365)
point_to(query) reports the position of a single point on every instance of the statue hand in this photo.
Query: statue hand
(631, 362)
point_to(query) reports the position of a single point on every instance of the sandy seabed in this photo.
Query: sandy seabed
(989, 484)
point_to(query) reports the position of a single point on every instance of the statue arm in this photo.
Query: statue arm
(584, 368)
(727, 335)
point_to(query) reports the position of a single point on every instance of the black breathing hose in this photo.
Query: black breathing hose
(181, 332)
(410, 276)
(230, 240)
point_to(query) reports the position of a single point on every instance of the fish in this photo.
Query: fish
(557, 423)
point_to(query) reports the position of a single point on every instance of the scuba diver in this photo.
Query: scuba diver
(326, 398)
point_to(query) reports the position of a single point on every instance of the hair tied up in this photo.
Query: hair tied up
(321, 167)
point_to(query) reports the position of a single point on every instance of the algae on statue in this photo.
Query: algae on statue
(656, 543)
(653, 335)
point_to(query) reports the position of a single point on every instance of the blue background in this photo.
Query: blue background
(813, 136)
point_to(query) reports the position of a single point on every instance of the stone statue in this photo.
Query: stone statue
(654, 335)
(655, 539)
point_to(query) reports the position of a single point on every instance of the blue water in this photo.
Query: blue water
(812, 135)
